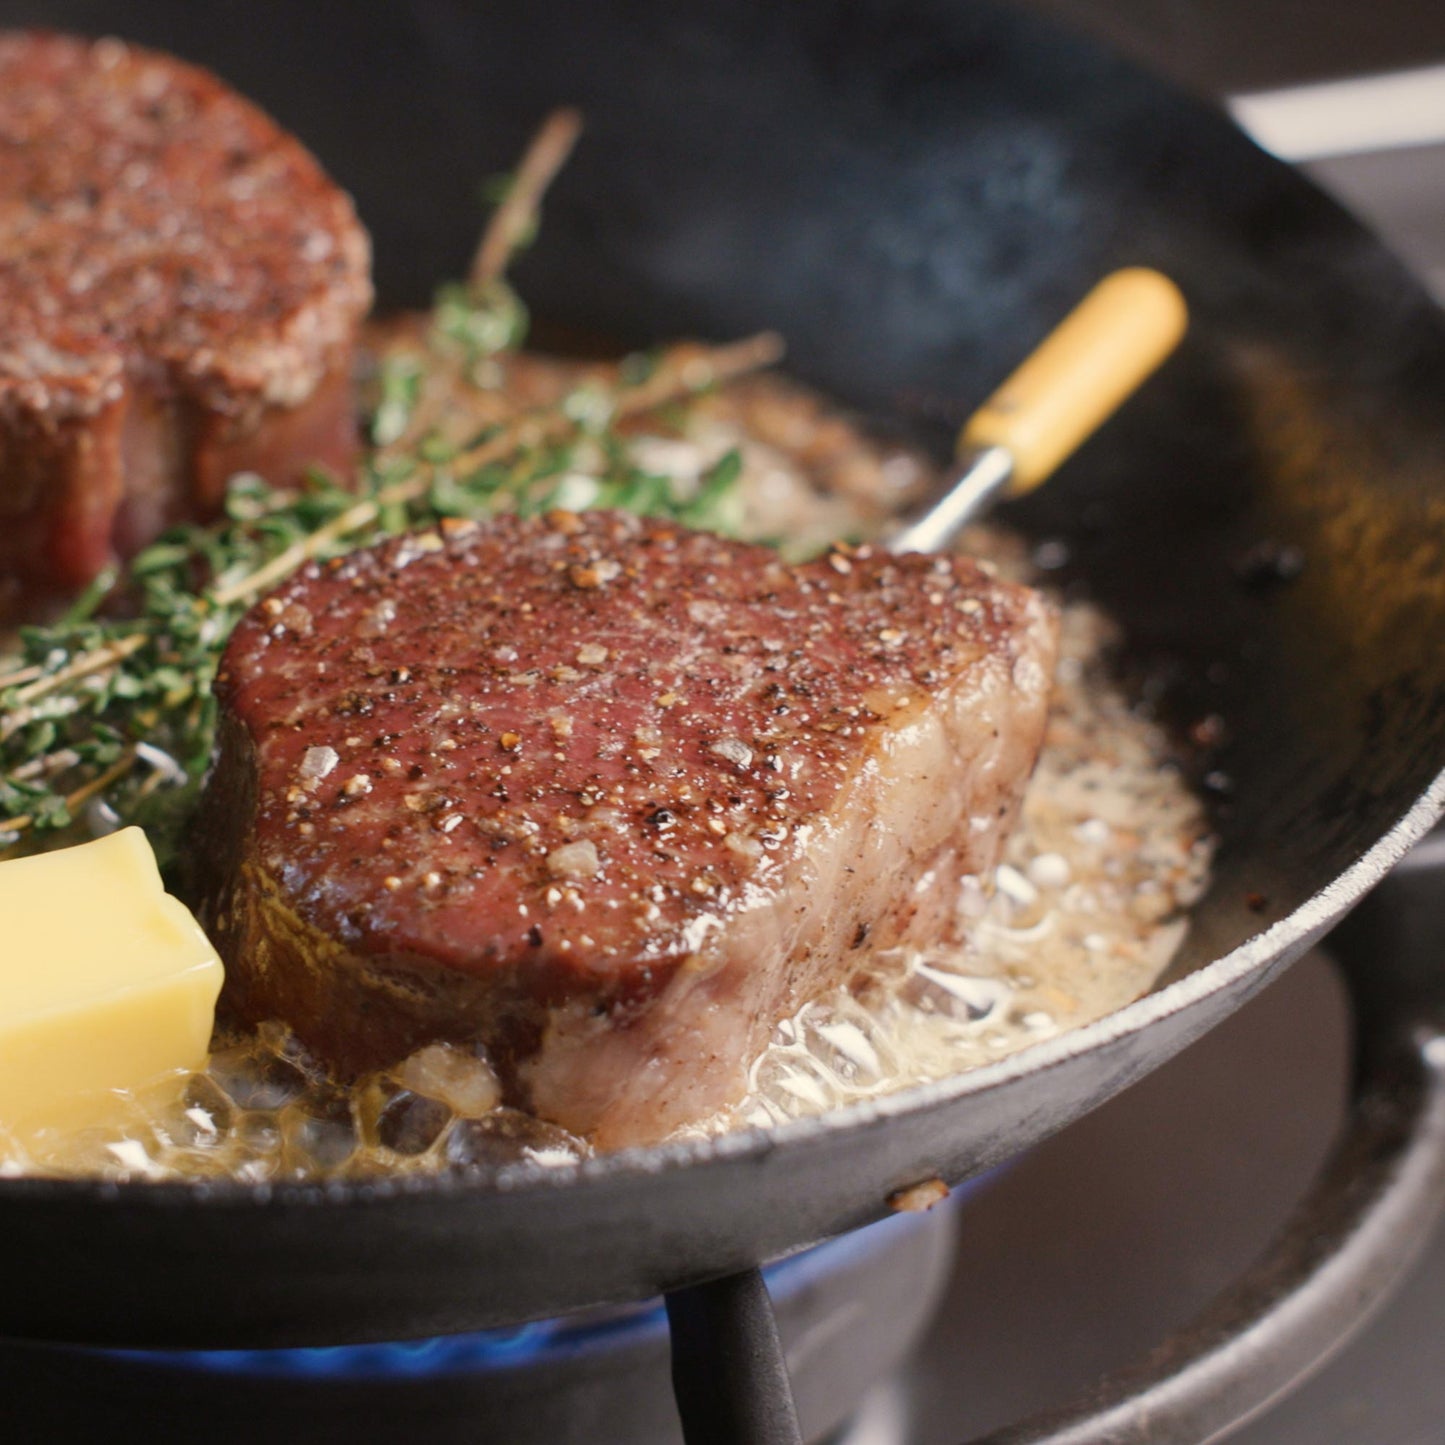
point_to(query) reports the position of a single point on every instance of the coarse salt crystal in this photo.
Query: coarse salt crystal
(574, 860)
(732, 750)
(316, 763)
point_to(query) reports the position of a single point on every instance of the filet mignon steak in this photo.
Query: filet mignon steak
(606, 794)
(180, 291)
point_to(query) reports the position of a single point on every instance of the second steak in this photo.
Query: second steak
(180, 290)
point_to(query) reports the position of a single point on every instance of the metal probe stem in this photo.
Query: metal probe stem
(980, 478)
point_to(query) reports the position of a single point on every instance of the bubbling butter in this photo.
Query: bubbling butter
(107, 984)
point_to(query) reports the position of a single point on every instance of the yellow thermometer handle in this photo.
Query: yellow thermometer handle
(1092, 361)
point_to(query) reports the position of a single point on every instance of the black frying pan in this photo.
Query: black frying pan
(912, 193)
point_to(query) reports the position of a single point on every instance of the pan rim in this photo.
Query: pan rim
(1283, 939)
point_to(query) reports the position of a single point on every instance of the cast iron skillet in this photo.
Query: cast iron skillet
(912, 193)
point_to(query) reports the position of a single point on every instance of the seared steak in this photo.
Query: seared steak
(180, 290)
(610, 796)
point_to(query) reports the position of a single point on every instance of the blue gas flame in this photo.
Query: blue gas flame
(499, 1349)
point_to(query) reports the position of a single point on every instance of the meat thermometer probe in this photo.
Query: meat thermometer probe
(1091, 362)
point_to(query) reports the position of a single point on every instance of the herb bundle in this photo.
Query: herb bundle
(110, 718)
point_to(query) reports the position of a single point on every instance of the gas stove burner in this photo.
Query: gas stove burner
(849, 1311)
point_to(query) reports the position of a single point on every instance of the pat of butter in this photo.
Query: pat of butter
(106, 982)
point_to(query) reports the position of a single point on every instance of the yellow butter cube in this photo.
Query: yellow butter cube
(106, 982)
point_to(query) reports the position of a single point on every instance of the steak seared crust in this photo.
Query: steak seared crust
(180, 291)
(610, 796)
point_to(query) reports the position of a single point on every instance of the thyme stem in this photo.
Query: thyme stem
(690, 368)
(82, 794)
(515, 219)
(21, 674)
(89, 662)
(100, 663)
(56, 762)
